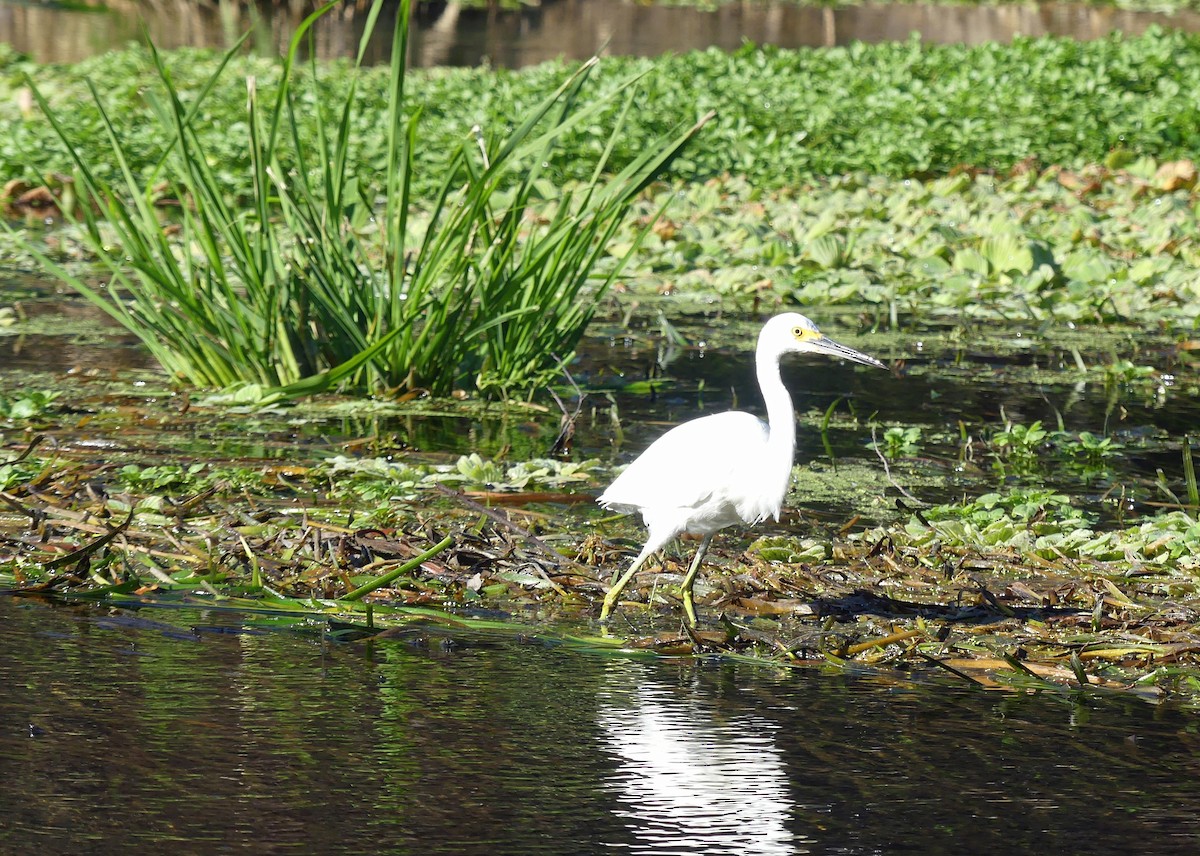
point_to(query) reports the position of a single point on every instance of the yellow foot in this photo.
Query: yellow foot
(689, 608)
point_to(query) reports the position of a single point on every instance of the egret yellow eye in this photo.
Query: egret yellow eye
(798, 332)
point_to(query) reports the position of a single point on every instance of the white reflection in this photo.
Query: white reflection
(691, 782)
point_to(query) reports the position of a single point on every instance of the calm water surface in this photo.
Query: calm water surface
(197, 731)
(451, 34)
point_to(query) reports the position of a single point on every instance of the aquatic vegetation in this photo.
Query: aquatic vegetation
(899, 441)
(378, 479)
(27, 404)
(1017, 447)
(155, 479)
(1092, 455)
(312, 286)
(961, 585)
(1023, 247)
(1123, 373)
(19, 472)
(1045, 524)
(1025, 452)
(1100, 237)
(775, 548)
(897, 109)
(1192, 490)
(729, 241)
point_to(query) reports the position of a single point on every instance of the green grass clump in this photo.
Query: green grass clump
(322, 275)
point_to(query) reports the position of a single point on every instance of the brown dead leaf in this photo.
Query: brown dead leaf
(1174, 175)
(758, 606)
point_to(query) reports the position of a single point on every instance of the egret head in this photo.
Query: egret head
(792, 333)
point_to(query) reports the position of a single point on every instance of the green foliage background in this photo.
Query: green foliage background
(893, 109)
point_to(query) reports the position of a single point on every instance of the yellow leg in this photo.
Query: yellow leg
(610, 599)
(685, 587)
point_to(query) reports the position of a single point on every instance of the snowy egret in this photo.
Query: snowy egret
(723, 469)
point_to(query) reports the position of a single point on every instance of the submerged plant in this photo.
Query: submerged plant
(377, 479)
(26, 405)
(900, 442)
(1087, 453)
(1016, 447)
(1189, 481)
(1045, 523)
(1024, 450)
(312, 284)
(160, 477)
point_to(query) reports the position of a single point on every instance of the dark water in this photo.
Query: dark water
(451, 34)
(977, 383)
(949, 390)
(207, 732)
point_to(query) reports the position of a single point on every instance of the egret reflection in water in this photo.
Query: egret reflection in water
(692, 780)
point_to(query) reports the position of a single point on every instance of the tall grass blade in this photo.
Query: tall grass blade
(1189, 473)
(302, 287)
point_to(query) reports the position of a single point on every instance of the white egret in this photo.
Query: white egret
(722, 469)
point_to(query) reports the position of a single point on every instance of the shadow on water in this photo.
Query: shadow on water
(214, 732)
(449, 34)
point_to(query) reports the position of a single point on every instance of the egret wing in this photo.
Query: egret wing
(690, 464)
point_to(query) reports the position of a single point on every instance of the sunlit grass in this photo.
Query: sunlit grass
(901, 109)
(320, 277)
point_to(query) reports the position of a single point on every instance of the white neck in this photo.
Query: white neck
(781, 445)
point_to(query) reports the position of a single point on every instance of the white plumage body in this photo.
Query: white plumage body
(699, 489)
(724, 469)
